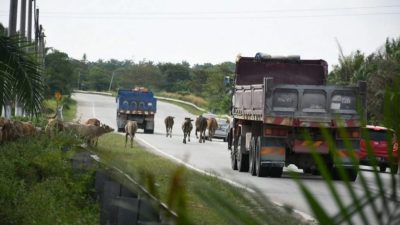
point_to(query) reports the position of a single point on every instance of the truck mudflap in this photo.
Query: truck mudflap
(270, 156)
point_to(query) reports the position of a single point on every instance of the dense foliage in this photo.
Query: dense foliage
(380, 69)
(37, 185)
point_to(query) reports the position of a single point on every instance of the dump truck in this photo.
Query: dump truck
(138, 104)
(279, 105)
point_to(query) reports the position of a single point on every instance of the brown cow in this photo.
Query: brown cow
(169, 123)
(53, 126)
(130, 130)
(212, 125)
(201, 126)
(95, 122)
(187, 128)
(92, 121)
(89, 133)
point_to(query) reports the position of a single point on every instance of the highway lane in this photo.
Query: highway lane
(213, 157)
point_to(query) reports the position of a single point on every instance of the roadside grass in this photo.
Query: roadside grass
(37, 185)
(186, 97)
(188, 108)
(200, 198)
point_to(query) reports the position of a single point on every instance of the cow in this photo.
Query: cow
(93, 121)
(53, 126)
(212, 125)
(24, 129)
(169, 123)
(130, 130)
(201, 126)
(89, 133)
(187, 128)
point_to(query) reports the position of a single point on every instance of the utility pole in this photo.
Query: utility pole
(12, 22)
(112, 78)
(12, 30)
(18, 107)
(30, 20)
(23, 18)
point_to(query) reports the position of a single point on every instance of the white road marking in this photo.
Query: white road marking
(93, 110)
(302, 214)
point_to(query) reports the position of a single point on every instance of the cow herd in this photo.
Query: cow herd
(89, 131)
(202, 124)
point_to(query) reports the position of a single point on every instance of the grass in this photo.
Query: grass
(37, 185)
(200, 198)
(187, 107)
(186, 97)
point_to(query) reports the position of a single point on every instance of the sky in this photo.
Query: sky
(214, 31)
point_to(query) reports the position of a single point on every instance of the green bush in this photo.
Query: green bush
(37, 185)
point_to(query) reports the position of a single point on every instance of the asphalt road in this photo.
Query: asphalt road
(214, 158)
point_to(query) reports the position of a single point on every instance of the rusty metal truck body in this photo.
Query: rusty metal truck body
(279, 106)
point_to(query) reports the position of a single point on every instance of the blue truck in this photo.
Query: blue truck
(137, 104)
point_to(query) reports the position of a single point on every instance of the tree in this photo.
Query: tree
(20, 74)
(59, 74)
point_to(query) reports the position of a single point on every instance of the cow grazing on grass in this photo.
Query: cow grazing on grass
(212, 125)
(201, 126)
(92, 121)
(95, 122)
(130, 130)
(187, 128)
(169, 123)
(53, 126)
(89, 133)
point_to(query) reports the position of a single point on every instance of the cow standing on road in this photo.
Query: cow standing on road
(187, 128)
(212, 125)
(130, 130)
(201, 126)
(169, 123)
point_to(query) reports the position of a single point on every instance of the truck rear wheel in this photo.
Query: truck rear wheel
(233, 159)
(351, 174)
(252, 160)
(275, 171)
(242, 158)
(148, 131)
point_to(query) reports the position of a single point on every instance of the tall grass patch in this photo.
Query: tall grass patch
(37, 185)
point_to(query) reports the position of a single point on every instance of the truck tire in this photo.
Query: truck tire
(148, 131)
(252, 159)
(242, 158)
(260, 171)
(382, 168)
(274, 171)
(233, 159)
(351, 173)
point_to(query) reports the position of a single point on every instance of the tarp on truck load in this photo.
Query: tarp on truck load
(284, 71)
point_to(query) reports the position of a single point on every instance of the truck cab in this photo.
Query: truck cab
(138, 105)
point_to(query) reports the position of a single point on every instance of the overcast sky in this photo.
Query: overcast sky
(214, 30)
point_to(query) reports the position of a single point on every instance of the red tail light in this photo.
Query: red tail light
(275, 132)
